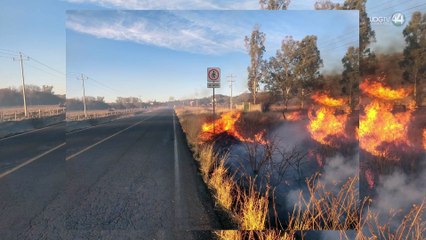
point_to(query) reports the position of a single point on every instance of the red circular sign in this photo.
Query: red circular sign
(213, 74)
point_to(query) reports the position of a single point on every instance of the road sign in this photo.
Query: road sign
(213, 77)
(213, 74)
(213, 84)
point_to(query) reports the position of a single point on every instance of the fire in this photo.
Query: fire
(325, 125)
(379, 127)
(324, 99)
(369, 176)
(378, 90)
(424, 139)
(226, 123)
(293, 116)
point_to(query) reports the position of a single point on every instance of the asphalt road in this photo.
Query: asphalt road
(133, 178)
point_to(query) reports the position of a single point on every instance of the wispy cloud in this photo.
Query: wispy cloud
(175, 5)
(182, 31)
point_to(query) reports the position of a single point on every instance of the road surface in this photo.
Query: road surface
(132, 178)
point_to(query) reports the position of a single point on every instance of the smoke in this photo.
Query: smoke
(338, 169)
(397, 193)
(327, 235)
(290, 134)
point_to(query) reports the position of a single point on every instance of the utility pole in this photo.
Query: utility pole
(230, 80)
(21, 61)
(82, 78)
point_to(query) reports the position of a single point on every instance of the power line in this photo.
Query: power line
(47, 66)
(21, 61)
(231, 81)
(40, 69)
(83, 78)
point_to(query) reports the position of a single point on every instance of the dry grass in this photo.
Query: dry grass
(222, 186)
(207, 158)
(324, 210)
(321, 210)
(260, 235)
(412, 226)
(253, 209)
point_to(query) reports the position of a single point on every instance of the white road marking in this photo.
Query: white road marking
(98, 125)
(178, 208)
(103, 140)
(30, 161)
(32, 131)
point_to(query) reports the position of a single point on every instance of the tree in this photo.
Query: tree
(47, 89)
(367, 58)
(255, 45)
(274, 4)
(414, 62)
(280, 69)
(100, 99)
(350, 75)
(367, 61)
(326, 5)
(307, 67)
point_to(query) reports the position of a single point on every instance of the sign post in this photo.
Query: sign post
(213, 81)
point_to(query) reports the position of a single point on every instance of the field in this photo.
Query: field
(278, 174)
(37, 111)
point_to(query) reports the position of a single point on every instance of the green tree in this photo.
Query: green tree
(414, 62)
(255, 45)
(350, 75)
(280, 76)
(368, 60)
(274, 4)
(307, 67)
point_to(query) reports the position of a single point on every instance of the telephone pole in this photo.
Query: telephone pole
(230, 80)
(82, 78)
(21, 61)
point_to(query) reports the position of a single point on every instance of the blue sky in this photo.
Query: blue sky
(37, 28)
(158, 54)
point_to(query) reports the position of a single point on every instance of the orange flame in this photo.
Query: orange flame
(369, 176)
(378, 90)
(226, 123)
(325, 126)
(424, 139)
(293, 116)
(324, 99)
(379, 126)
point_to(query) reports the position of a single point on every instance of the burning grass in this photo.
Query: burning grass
(293, 116)
(326, 126)
(382, 131)
(319, 208)
(227, 123)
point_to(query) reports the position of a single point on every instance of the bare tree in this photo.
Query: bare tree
(255, 45)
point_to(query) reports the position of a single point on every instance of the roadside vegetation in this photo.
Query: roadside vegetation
(253, 209)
